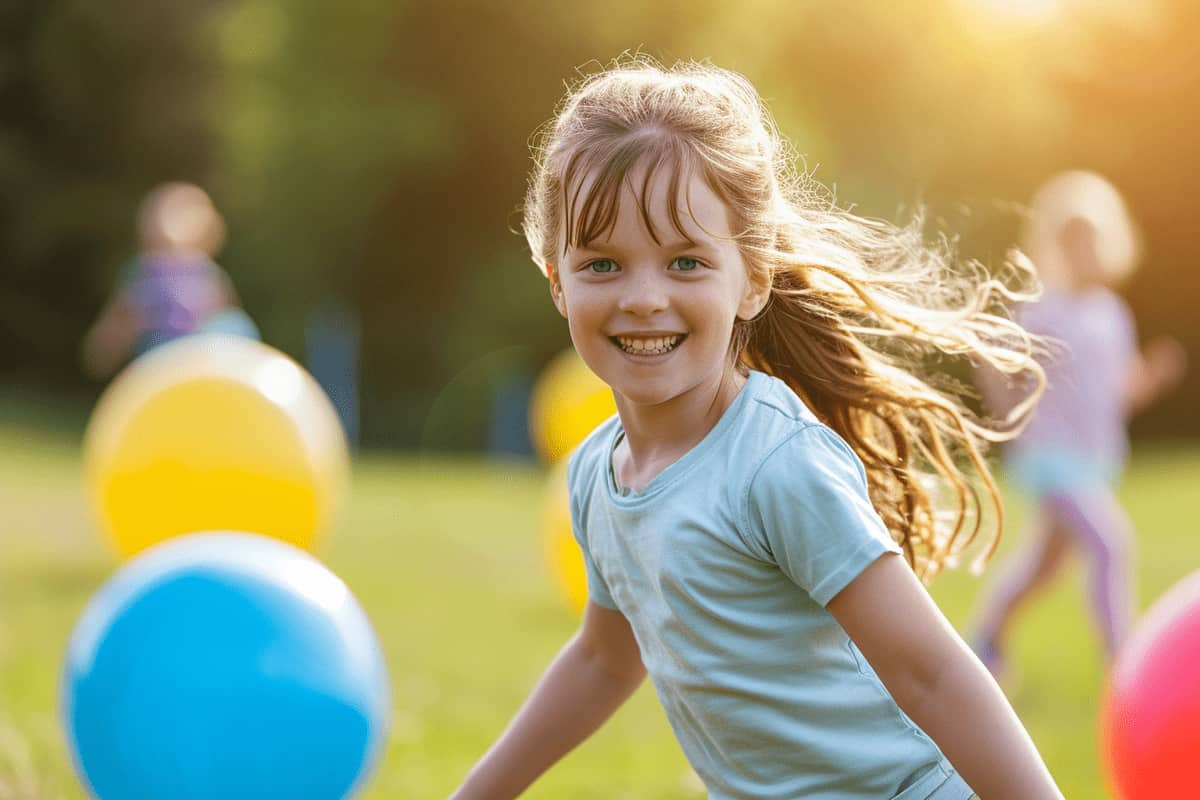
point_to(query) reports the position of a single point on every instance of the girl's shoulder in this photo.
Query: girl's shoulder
(774, 411)
(786, 440)
(781, 432)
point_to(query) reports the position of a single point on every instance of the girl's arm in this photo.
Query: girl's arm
(939, 683)
(110, 338)
(592, 676)
(1001, 393)
(1156, 370)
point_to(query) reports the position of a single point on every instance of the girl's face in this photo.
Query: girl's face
(1078, 243)
(650, 308)
(180, 220)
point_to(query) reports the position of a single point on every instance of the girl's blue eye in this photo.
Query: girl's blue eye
(602, 266)
(685, 264)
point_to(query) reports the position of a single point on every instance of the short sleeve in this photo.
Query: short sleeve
(807, 510)
(598, 591)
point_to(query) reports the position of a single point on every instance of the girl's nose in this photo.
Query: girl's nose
(644, 295)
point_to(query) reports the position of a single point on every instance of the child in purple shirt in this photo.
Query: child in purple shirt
(1073, 450)
(173, 288)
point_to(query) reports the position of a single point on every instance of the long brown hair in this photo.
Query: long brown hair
(858, 308)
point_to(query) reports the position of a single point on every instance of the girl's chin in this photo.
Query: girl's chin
(646, 393)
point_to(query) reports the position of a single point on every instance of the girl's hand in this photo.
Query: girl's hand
(1156, 370)
(1165, 362)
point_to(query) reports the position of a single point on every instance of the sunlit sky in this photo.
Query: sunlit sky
(1034, 10)
(1137, 14)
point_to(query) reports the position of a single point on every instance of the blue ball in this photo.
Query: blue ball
(224, 665)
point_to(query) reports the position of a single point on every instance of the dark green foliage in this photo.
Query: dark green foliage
(97, 102)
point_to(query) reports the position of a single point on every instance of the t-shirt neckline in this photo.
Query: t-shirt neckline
(681, 466)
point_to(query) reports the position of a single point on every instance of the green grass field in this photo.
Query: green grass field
(444, 556)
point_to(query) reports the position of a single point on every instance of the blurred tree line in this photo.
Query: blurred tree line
(374, 153)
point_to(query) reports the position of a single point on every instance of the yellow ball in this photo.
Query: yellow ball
(214, 432)
(568, 402)
(559, 548)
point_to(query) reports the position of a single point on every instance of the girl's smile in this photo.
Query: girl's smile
(647, 346)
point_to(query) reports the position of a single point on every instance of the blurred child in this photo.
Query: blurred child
(173, 287)
(756, 518)
(1068, 459)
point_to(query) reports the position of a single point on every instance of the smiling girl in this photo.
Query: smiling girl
(757, 519)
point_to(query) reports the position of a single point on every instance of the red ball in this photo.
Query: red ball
(1150, 724)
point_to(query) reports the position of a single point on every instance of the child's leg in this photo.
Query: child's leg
(1103, 529)
(1039, 560)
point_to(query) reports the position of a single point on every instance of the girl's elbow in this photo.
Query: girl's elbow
(918, 689)
(627, 672)
(620, 666)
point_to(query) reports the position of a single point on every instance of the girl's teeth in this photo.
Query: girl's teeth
(649, 346)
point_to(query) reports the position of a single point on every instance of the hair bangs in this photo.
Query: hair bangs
(595, 179)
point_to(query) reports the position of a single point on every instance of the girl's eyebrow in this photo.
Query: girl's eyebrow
(676, 246)
(587, 250)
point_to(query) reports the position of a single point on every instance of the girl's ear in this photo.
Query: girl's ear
(758, 291)
(556, 293)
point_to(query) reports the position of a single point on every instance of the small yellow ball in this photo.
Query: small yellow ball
(568, 402)
(559, 548)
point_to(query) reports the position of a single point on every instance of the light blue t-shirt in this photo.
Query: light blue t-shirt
(723, 565)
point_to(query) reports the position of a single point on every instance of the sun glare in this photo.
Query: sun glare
(1030, 10)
